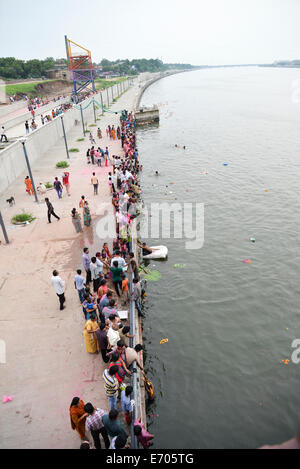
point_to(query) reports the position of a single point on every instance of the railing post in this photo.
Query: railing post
(134, 444)
(3, 229)
(82, 120)
(30, 173)
(65, 137)
(101, 102)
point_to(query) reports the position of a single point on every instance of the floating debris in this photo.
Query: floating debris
(164, 341)
(153, 276)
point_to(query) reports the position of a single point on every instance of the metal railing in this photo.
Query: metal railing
(134, 382)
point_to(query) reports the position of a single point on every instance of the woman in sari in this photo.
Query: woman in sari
(76, 220)
(78, 417)
(113, 133)
(90, 339)
(86, 214)
(105, 247)
(99, 133)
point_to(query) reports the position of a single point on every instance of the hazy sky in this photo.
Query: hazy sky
(191, 31)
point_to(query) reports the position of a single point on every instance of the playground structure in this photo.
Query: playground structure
(81, 68)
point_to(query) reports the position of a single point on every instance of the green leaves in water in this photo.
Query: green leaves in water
(152, 275)
(179, 266)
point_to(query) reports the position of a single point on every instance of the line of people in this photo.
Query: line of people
(103, 291)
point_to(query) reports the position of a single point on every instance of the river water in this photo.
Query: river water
(220, 380)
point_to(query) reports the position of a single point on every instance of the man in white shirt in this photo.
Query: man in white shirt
(113, 335)
(99, 264)
(95, 274)
(121, 262)
(59, 287)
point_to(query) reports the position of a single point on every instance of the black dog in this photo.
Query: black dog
(11, 201)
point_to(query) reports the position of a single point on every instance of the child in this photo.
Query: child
(123, 248)
(125, 288)
(126, 403)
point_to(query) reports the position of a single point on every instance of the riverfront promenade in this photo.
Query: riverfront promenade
(46, 362)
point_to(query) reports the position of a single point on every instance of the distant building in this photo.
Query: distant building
(56, 74)
(60, 71)
(105, 74)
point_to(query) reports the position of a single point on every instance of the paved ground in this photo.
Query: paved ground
(46, 362)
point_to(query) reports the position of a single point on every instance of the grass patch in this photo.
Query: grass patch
(74, 150)
(62, 164)
(106, 83)
(48, 185)
(93, 125)
(80, 140)
(23, 88)
(22, 218)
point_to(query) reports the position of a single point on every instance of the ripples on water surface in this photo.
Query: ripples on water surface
(219, 381)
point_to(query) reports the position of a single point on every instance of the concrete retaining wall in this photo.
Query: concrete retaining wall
(158, 76)
(42, 110)
(12, 161)
(9, 108)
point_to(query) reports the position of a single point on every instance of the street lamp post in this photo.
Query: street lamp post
(107, 98)
(29, 170)
(65, 137)
(82, 120)
(101, 102)
(95, 118)
(4, 229)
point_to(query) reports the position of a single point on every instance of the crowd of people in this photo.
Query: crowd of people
(104, 292)
(46, 118)
(37, 102)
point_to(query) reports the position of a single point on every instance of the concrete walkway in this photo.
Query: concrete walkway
(46, 362)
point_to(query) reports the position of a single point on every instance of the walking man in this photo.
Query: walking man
(50, 211)
(95, 183)
(59, 287)
(58, 187)
(95, 425)
(27, 127)
(3, 136)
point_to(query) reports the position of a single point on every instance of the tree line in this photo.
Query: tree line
(12, 68)
(135, 66)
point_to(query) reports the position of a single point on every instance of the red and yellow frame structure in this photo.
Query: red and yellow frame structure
(81, 68)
